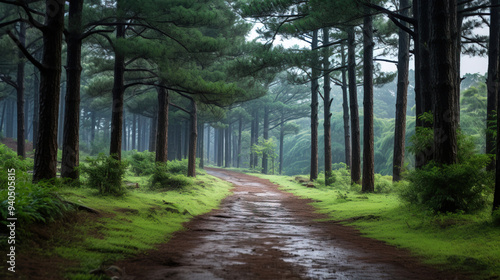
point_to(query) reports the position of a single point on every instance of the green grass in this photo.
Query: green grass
(135, 222)
(470, 243)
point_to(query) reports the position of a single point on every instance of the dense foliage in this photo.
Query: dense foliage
(461, 187)
(34, 203)
(167, 176)
(105, 174)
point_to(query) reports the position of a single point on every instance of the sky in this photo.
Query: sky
(469, 64)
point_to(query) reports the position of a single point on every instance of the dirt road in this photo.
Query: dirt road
(261, 232)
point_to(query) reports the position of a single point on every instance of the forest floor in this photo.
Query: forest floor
(261, 232)
(12, 144)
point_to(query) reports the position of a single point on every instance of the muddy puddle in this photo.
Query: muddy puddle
(262, 233)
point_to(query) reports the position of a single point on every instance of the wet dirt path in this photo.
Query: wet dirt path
(261, 232)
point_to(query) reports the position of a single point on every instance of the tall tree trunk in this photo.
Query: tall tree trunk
(327, 102)
(208, 143)
(444, 79)
(125, 133)
(71, 134)
(282, 138)
(220, 148)
(345, 106)
(423, 96)
(36, 105)
(153, 127)
(134, 131)
(179, 142)
(60, 129)
(227, 146)
(45, 166)
(401, 96)
(9, 120)
(314, 109)
(265, 156)
(368, 184)
(162, 130)
(3, 114)
(193, 137)
(492, 81)
(21, 151)
(27, 108)
(240, 130)
(353, 99)
(202, 146)
(115, 147)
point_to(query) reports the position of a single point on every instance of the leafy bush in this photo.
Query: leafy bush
(178, 166)
(142, 163)
(105, 173)
(162, 178)
(383, 184)
(9, 159)
(450, 188)
(32, 203)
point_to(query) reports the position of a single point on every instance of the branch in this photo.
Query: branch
(90, 33)
(385, 60)
(391, 13)
(8, 80)
(28, 11)
(26, 53)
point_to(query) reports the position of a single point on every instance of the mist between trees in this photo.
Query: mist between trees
(181, 80)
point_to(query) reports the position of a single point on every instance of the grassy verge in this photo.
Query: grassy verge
(469, 243)
(134, 222)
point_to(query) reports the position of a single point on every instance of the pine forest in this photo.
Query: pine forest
(249, 139)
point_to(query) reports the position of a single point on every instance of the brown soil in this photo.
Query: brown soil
(261, 232)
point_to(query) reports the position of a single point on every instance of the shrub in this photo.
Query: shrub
(382, 184)
(162, 178)
(105, 173)
(9, 159)
(178, 166)
(142, 163)
(450, 188)
(34, 203)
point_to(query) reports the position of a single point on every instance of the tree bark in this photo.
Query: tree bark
(202, 145)
(153, 127)
(162, 130)
(36, 104)
(60, 122)
(193, 137)
(401, 97)
(282, 138)
(71, 135)
(444, 79)
(21, 150)
(353, 98)
(314, 109)
(492, 81)
(327, 102)
(240, 130)
(265, 156)
(220, 148)
(345, 106)
(423, 96)
(368, 184)
(45, 166)
(227, 146)
(115, 147)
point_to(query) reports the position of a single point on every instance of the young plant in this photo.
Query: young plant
(105, 174)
